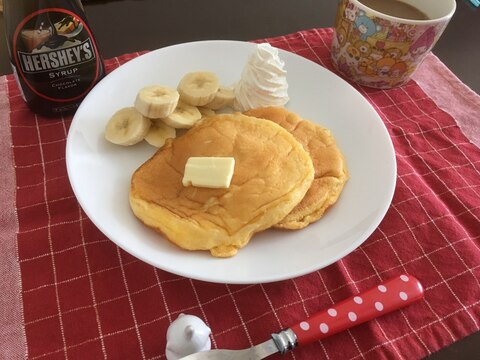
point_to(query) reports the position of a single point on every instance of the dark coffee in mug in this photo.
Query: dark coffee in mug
(395, 8)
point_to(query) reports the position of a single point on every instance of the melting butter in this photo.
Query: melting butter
(210, 172)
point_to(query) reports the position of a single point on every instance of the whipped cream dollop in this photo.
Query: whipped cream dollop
(263, 81)
(187, 335)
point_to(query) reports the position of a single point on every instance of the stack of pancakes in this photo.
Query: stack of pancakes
(288, 171)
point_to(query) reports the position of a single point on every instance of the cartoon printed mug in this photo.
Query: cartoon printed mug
(383, 51)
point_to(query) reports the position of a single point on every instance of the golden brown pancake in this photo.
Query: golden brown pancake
(272, 174)
(331, 172)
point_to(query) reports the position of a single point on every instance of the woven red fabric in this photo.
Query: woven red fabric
(85, 298)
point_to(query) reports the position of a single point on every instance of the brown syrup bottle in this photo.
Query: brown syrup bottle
(53, 53)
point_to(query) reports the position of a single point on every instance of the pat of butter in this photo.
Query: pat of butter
(211, 172)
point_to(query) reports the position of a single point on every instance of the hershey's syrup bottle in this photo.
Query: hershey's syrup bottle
(53, 53)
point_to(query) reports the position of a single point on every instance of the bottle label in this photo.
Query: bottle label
(55, 54)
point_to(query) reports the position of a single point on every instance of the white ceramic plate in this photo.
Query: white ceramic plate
(100, 172)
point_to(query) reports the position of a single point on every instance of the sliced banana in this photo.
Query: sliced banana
(159, 132)
(198, 88)
(156, 101)
(184, 116)
(205, 111)
(127, 127)
(224, 97)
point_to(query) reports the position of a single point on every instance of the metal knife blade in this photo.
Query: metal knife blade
(256, 352)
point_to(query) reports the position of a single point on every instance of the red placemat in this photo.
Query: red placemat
(83, 297)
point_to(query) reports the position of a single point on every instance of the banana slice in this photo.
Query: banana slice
(224, 97)
(156, 102)
(205, 111)
(198, 88)
(159, 132)
(183, 117)
(127, 127)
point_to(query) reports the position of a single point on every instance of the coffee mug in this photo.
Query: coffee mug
(379, 50)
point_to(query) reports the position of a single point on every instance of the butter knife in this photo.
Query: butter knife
(391, 295)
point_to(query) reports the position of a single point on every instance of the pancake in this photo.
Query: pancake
(331, 172)
(272, 174)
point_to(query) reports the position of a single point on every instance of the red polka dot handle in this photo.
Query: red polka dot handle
(391, 295)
